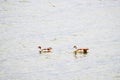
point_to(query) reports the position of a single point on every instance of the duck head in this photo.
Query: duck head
(75, 47)
(39, 47)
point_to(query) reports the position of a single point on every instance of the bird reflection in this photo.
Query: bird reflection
(80, 55)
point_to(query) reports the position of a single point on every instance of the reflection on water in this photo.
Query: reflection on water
(80, 55)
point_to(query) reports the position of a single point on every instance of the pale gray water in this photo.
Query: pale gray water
(25, 24)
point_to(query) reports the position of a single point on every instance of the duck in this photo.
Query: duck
(80, 50)
(44, 50)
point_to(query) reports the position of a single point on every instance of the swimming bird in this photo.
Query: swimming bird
(44, 50)
(80, 50)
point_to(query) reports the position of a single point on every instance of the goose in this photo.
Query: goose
(44, 50)
(80, 50)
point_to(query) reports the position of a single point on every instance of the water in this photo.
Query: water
(26, 24)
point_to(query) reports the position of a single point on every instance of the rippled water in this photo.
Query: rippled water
(60, 24)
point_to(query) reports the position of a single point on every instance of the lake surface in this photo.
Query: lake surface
(60, 24)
